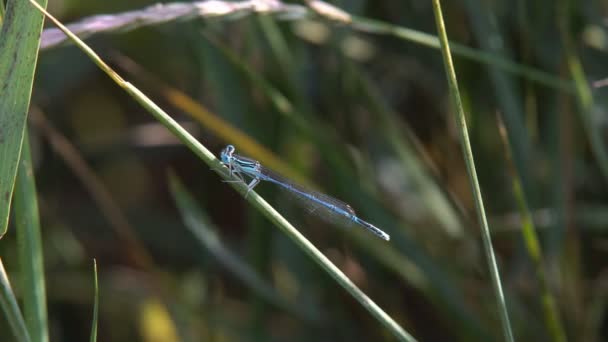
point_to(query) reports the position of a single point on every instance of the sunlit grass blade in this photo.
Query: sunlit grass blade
(10, 308)
(470, 163)
(253, 198)
(29, 240)
(19, 41)
(93, 337)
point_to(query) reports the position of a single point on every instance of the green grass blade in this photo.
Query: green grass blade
(19, 41)
(95, 304)
(8, 304)
(533, 247)
(253, 198)
(470, 162)
(29, 241)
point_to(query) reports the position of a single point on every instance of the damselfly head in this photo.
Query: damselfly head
(226, 154)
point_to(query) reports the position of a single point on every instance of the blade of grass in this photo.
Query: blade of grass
(19, 41)
(8, 304)
(95, 304)
(470, 162)
(528, 230)
(252, 197)
(29, 242)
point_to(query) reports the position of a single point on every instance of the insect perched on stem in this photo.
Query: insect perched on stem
(320, 204)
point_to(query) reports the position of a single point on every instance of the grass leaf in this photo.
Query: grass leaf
(19, 41)
(470, 162)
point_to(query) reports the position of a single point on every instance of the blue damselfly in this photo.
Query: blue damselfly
(320, 204)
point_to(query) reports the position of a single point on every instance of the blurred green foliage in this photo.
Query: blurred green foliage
(362, 116)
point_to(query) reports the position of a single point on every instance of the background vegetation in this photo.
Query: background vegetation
(354, 104)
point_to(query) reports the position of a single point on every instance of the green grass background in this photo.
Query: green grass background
(359, 110)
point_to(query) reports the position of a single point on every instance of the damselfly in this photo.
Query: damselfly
(323, 205)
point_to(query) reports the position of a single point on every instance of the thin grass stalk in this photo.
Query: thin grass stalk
(533, 247)
(252, 197)
(93, 337)
(470, 163)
